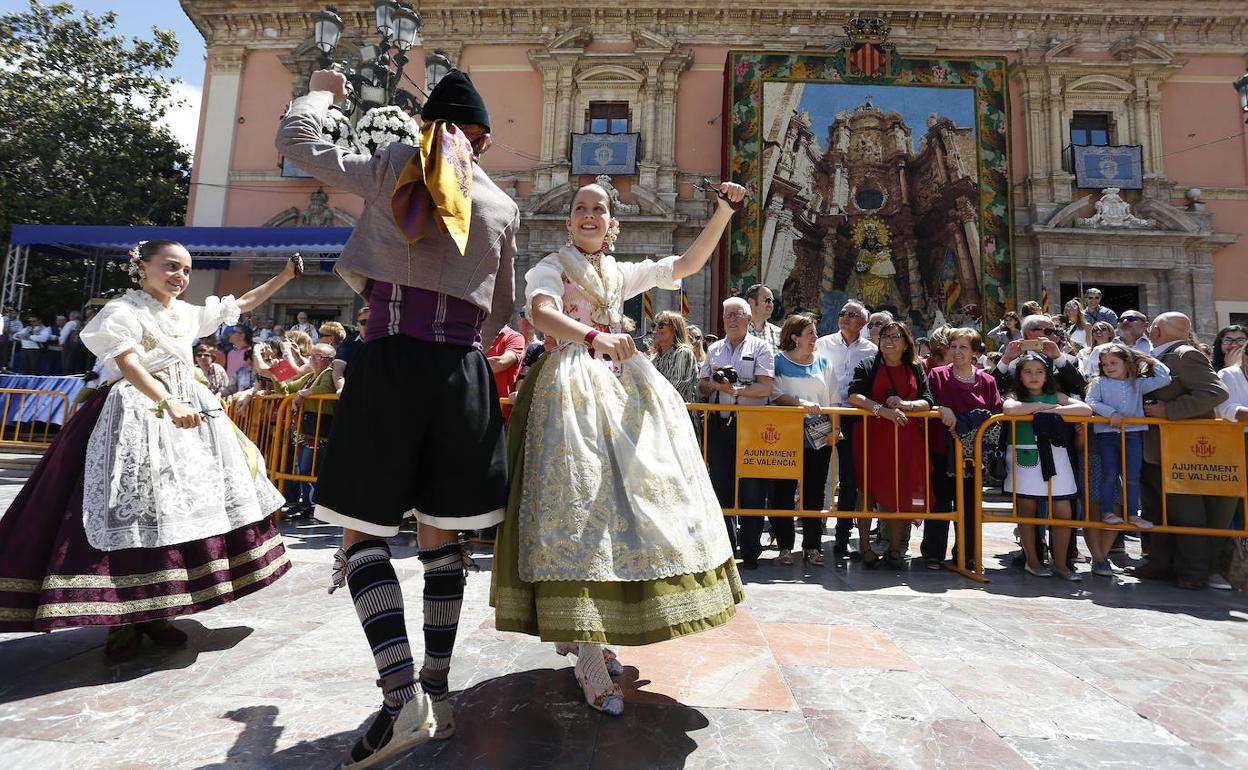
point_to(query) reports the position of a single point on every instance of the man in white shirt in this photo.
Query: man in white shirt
(33, 338)
(753, 361)
(1132, 325)
(762, 304)
(845, 349)
(302, 325)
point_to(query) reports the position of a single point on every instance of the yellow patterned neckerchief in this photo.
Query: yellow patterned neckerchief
(437, 183)
(602, 283)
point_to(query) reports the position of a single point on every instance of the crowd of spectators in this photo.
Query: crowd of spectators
(1087, 360)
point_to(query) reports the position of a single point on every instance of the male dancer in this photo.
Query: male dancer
(418, 430)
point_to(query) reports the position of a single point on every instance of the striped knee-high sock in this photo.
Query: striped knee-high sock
(379, 604)
(444, 596)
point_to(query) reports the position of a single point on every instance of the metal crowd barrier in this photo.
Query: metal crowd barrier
(283, 458)
(272, 423)
(1220, 436)
(777, 422)
(40, 414)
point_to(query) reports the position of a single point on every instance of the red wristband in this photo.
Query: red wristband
(589, 337)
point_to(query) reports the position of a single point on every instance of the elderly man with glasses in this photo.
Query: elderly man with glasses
(762, 305)
(1095, 311)
(752, 362)
(1132, 328)
(845, 349)
(1065, 367)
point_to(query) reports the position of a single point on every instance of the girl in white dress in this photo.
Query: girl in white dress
(613, 533)
(150, 503)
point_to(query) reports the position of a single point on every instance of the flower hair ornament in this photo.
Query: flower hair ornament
(613, 232)
(132, 265)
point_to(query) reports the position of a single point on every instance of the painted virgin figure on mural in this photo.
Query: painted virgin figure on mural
(613, 533)
(874, 273)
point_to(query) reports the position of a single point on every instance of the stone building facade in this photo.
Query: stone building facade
(1153, 75)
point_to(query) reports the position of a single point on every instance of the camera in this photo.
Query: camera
(725, 374)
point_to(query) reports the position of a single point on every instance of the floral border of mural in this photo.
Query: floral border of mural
(747, 71)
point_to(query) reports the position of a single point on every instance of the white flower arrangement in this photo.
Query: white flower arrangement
(385, 124)
(336, 129)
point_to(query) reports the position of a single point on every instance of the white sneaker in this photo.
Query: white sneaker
(1217, 581)
(413, 726)
(444, 719)
(1141, 522)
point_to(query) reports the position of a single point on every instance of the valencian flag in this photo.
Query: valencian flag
(949, 281)
(647, 307)
(1044, 299)
(684, 299)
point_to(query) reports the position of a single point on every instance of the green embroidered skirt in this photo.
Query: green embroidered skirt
(626, 613)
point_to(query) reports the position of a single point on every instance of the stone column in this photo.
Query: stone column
(1204, 312)
(216, 146)
(777, 263)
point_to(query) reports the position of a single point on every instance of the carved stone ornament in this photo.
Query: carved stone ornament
(1113, 211)
(604, 182)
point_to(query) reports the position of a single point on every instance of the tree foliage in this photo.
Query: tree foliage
(81, 138)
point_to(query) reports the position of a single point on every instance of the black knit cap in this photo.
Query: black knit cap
(455, 99)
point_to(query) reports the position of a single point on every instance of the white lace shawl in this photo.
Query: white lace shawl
(161, 335)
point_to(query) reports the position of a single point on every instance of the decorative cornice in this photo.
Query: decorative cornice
(1205, 26)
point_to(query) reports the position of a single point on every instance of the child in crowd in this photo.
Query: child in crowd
(1033, 392)
(1118, 391)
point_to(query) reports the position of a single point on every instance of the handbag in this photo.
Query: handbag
(816, 428)
(308, 422)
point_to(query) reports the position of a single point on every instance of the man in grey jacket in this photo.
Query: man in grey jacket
(418, 429)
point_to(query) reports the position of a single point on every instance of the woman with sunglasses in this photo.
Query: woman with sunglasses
(697, 344)
(1099, 333)
(890, 449)
(672, 355)
(214, 373)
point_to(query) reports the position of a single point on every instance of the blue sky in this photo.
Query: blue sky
(914, 103)
(135, 18)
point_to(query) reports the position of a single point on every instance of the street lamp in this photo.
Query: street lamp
(326, 31)
(373, 82)
(1241, 86)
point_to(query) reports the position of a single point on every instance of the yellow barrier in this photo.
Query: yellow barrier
(12, 435)
(278, 445)
(1182, 473)
(283, 457)
(763, 418)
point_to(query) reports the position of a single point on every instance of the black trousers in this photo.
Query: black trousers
(944, 499)
(1190, 556)
(815, 464)
(721, 456)
(847, 478)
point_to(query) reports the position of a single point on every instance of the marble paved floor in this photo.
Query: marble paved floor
(822, 667)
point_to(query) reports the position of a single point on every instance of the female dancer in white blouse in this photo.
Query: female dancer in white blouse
(150, 503)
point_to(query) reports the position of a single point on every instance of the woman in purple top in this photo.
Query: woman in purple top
(960, 389)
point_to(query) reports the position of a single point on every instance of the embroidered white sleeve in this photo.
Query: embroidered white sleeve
(648, 274)
(114, 331)
(544, 278)
(217, 311)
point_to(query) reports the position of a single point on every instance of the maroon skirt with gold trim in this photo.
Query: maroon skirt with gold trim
(51, 577)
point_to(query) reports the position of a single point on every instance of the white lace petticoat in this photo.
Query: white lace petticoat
(151, 484)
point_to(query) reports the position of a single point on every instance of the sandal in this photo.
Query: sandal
(614, 667)
(123, 643)
(894, 560)
(813, 556)
(870, 562)
(609, 701)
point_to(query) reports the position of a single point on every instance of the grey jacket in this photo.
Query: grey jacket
(484, 275)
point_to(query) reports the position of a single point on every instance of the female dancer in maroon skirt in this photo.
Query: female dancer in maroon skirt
(149, 504)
